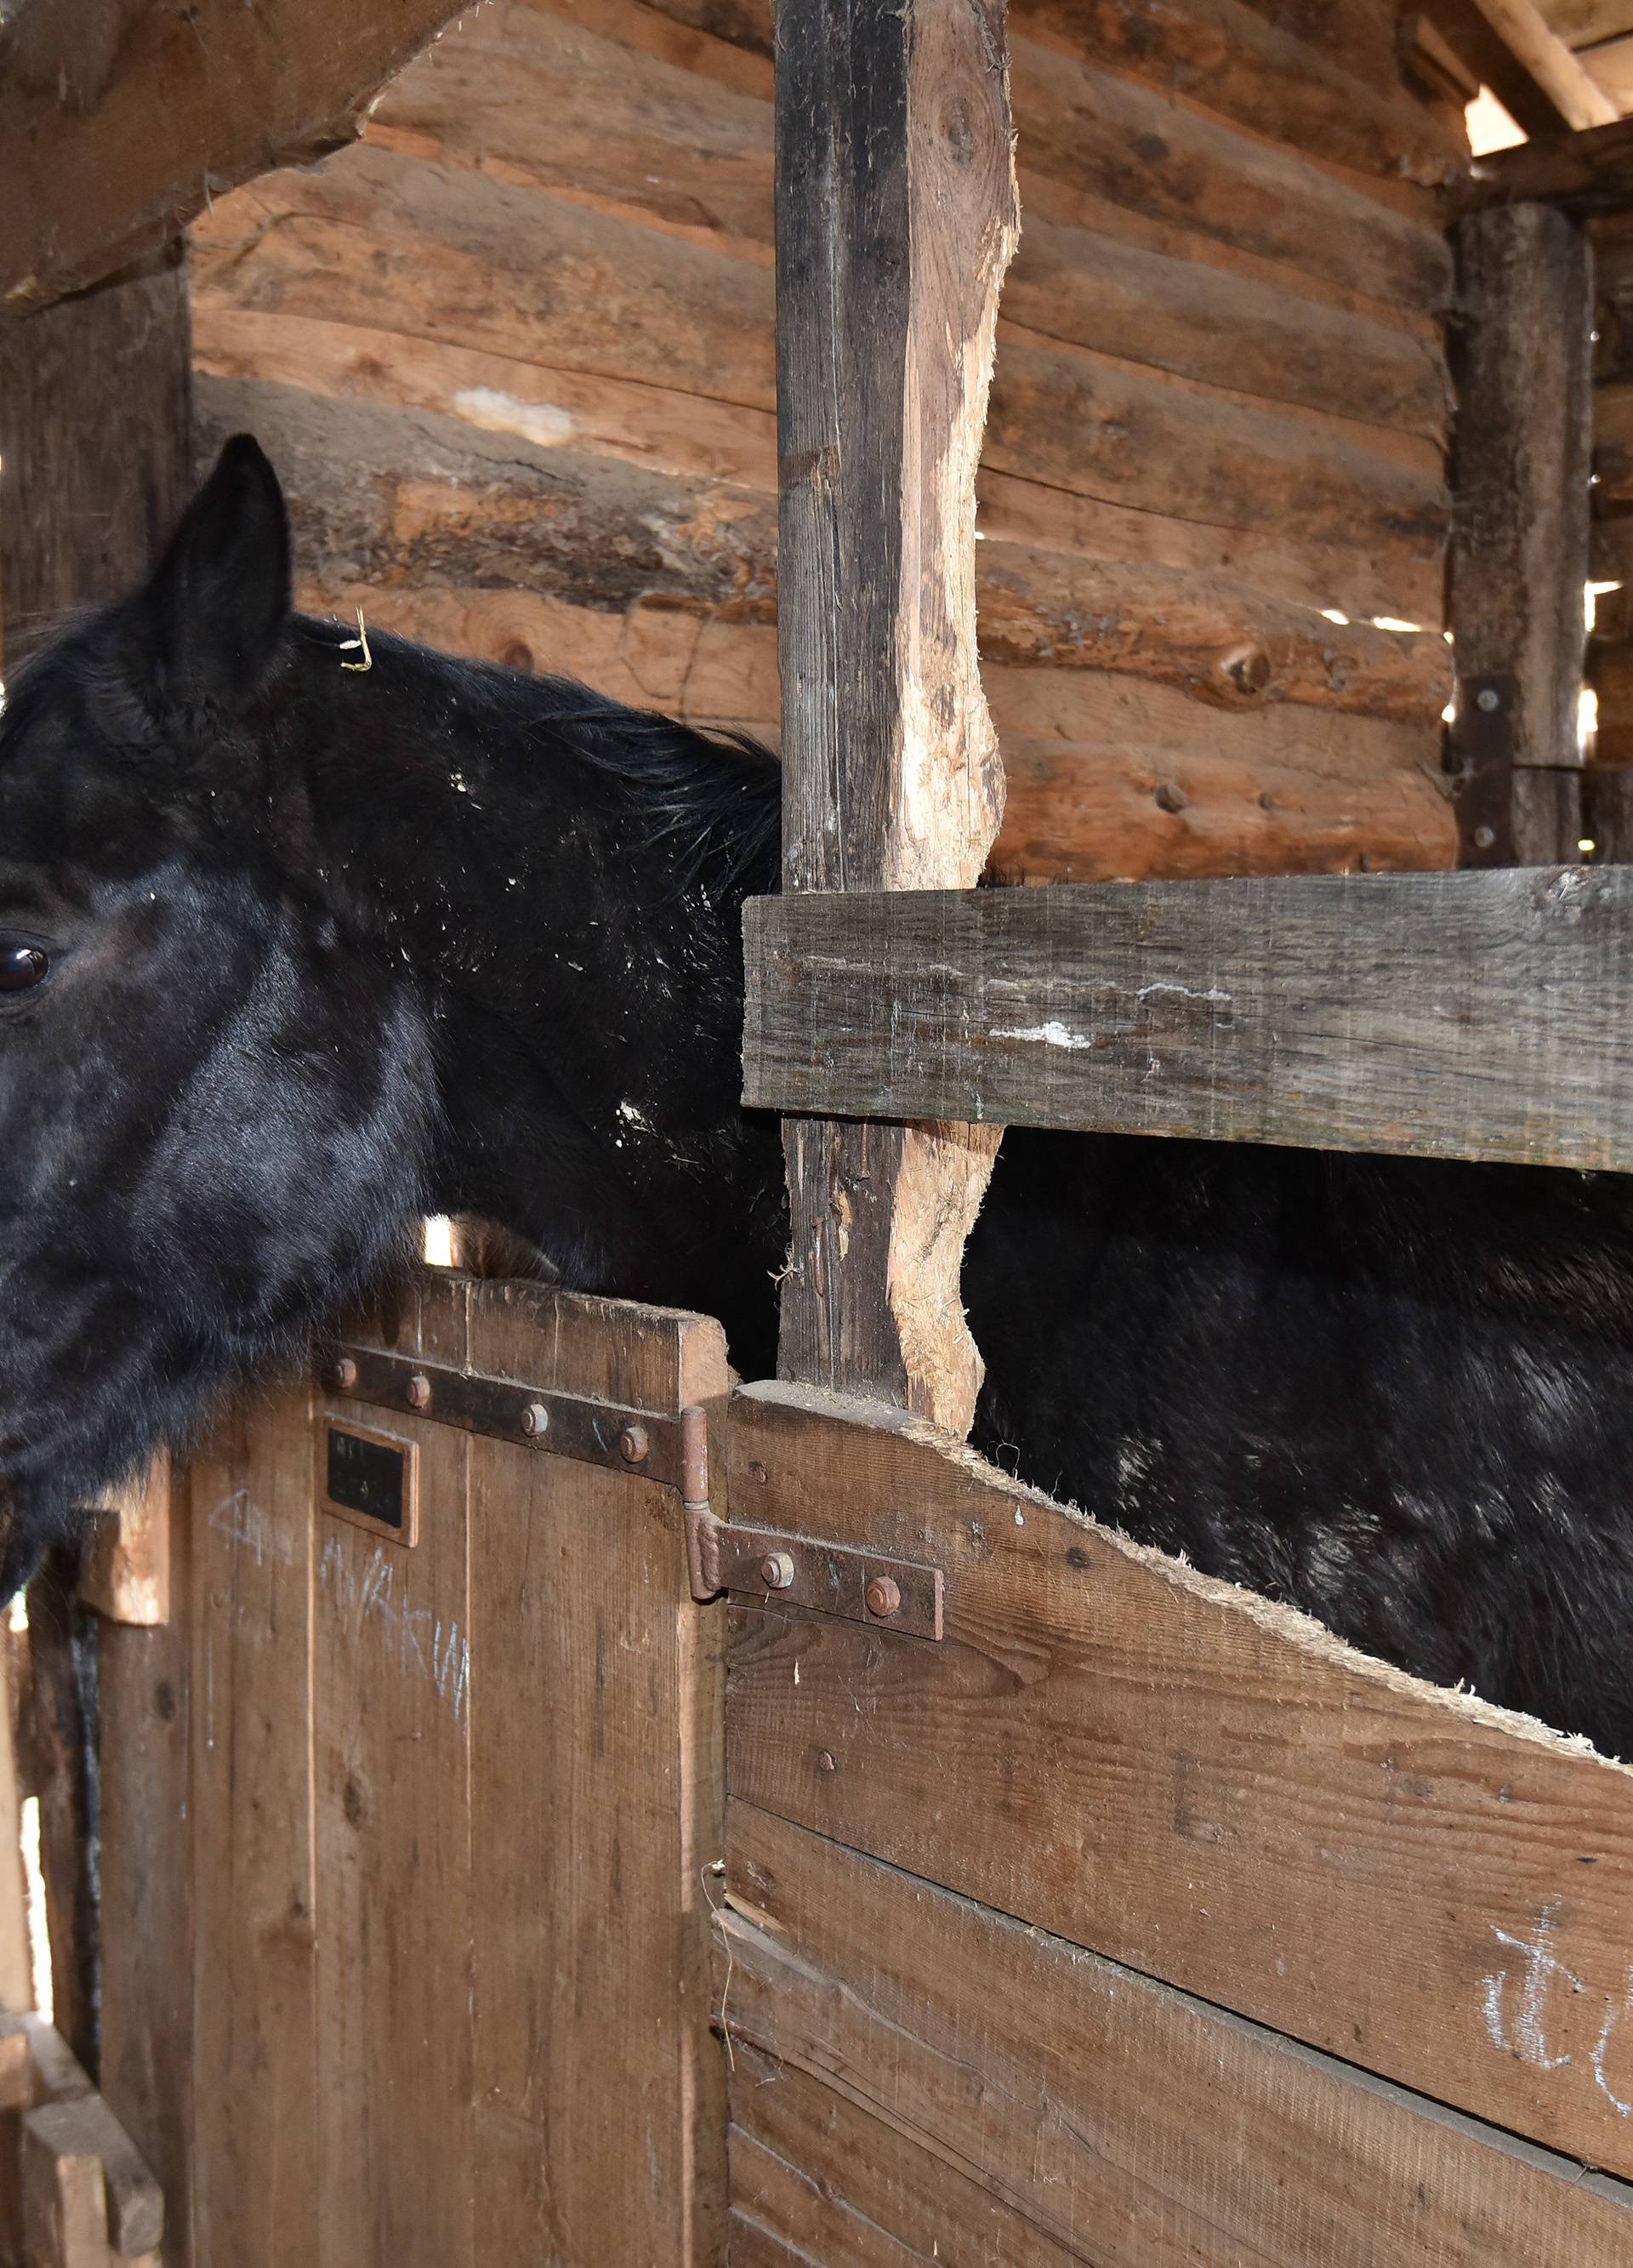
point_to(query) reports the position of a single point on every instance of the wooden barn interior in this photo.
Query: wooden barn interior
(377, 1903)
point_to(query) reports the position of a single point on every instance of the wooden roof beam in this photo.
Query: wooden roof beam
(116, 125)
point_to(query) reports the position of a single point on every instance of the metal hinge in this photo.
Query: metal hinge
(673, 1449)
(863, 1587)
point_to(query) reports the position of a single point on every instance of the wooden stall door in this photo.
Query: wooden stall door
(450, 1800)
(1137, 1922)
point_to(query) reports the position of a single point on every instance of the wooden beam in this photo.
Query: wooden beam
(1524, 31)
(1519, 549)
(1585, 173)
(94, 440)
(896, 215)
(117, 125)
(1474, 1015)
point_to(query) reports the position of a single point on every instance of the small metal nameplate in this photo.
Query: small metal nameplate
(371, 1478)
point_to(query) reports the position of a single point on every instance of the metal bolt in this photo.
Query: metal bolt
(776, 1570)
(419, 1391)
(1484, 837)
(633, 1445)
(343, 1374)
(535, 1420)
(1487, 699)
(883, 1596)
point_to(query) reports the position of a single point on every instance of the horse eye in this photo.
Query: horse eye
(21, 966)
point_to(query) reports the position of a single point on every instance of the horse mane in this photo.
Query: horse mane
(712, 800)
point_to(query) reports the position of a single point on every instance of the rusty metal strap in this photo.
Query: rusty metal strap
(863, 1587)
(671, 1448)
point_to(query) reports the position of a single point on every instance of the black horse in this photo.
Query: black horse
(292, 952)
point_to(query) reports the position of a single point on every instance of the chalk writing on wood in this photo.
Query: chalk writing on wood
(1517, 1997)
(427, 1647)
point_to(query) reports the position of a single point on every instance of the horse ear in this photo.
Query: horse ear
(219, 598)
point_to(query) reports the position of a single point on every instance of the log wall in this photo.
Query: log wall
(514, 356)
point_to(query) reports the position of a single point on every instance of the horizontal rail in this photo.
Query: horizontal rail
(1480, 1015)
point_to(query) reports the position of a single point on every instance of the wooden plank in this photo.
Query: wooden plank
(64, 2199)
(1520, 552)
(114, 132)
(811, 2169)
(394, 1681)
(94, 439)
(124, 1572)
(1524, 31)
(1469, 1015)
(52, 1743)
(146, 1865)
(256, 2120)
(17, 1987)
(596, 1806)
(1189, 1780)
(1106, 2118)
(894, 231)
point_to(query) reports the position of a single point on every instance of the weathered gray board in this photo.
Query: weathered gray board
(1483, 1015)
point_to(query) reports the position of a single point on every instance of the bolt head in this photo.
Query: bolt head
(419, 1391)
(1487, 699)
(1484, 837)
(535, 1420)
(776, 1570)
(633, 1445)
(884, 1596)
(343, 1375)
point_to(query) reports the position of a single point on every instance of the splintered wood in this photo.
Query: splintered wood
(1194, 1785)
(896, 217)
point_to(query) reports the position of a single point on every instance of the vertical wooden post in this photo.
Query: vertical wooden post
(95, 445)
(896, 217)
(95, 449)
(1520, 550)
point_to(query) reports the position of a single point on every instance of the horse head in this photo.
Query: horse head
(215, 1091)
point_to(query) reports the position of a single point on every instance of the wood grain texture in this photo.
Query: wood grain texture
(256, 2123)
(1258, 75)
(1585, 172)
(124, 1571)
(1519, 551)
(896, 217)
(1105, 811)
(401, 499)
(1076, 2110)
(54, 1753)
(119, 120)
(512, 271)
(1473, 1015)
(1188, 1780)
(815, 2172)
(429, 2027)
(146, 1857)
(520, 94)
(394, 1874)
(94, 439)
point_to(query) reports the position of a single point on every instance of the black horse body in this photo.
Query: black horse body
(292, 952)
